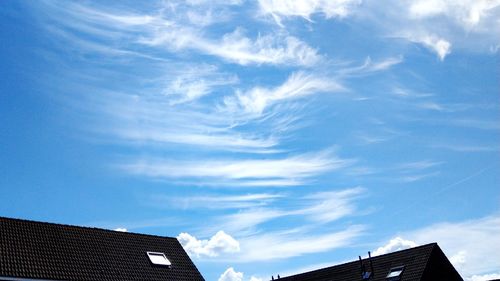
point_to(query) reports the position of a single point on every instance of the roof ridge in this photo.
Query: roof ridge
(432, 244)
(85, 227)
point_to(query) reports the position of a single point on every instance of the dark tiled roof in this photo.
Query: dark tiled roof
(423, 263)
(61, 252)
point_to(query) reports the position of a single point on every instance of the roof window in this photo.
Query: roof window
(157, 258)
(395, 273)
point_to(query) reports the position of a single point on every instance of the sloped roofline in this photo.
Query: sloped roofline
(85, 227)
(432, 245)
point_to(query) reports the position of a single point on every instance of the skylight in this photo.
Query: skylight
(158, 258)
(395, 273)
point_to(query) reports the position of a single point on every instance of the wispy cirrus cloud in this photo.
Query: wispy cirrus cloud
(418, 165)
(305, 8)
(238, 48)
(417, 170)
(467, 148)
(272, 245)
(166, 30)
(403, 172)
(435, 25)
(152, 119)
(329, 206)
(317, 208)
(299, 84)
(244, 201)
(370, 66)
(299, 168)
(286, 244)
(196, 82)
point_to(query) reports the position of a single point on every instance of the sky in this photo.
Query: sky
(270, 137)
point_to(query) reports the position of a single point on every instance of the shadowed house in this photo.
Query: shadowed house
(423, 263)
(45, 251)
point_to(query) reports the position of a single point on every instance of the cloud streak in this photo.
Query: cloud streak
(298, 85)
(317, 208)
(297, 168)
(281, 245)
(244, 201)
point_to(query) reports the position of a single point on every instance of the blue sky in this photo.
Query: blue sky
(270, 137)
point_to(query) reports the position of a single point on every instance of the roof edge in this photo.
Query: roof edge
(432, 244)
(85, 227)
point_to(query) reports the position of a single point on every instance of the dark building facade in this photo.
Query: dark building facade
(45, 251)
(423, 263)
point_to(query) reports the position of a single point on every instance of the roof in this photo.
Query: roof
(50, 251)
(423, 263)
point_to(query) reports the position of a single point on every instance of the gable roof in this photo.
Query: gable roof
(50, 251)
(421, 263)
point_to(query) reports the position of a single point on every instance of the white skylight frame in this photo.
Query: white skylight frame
(395, 272)
(158, 258)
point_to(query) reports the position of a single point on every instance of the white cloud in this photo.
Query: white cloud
(218, 244)
(467, 244)
(466, 13)
(305, 8)
(438, 25)
(396, 244)
(459, 259)
(484, 277)
(299, 167)
(231, 275)
(299, 84)
(460, 240)
(439, 45)
(121, 229)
